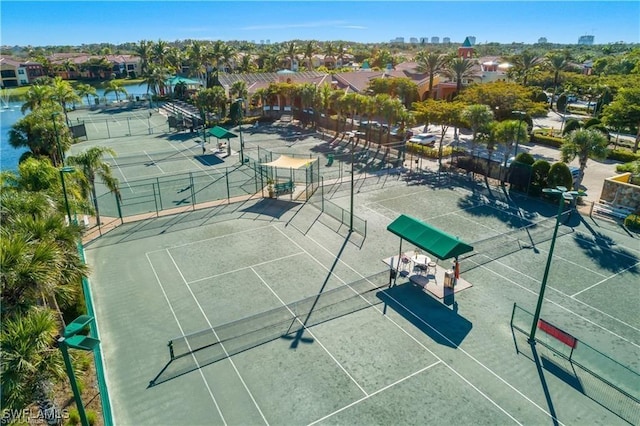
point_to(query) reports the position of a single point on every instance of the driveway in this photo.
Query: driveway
(594, 175)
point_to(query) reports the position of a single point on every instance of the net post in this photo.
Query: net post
(171, 355)
(513, 313)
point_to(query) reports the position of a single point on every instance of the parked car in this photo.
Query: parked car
(575, 173)
(428, 139)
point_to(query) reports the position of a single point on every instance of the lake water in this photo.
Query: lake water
(9, 156)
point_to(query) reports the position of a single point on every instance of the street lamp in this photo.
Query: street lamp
(64, 170)
(72, 339)
(520, 114)
(564, 195)
(55, 132)
(352, 184)
(239, 118)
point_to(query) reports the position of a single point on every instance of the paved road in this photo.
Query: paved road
(595, 174)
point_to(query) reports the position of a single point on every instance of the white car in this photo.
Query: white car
(428, 139)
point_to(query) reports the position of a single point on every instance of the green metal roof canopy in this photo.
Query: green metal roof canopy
(428, 238)
(222, 133)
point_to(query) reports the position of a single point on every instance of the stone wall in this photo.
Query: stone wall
(618, 191)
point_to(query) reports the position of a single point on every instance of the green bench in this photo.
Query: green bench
(283, 187)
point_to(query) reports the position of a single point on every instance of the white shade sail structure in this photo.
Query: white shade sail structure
(284, 162)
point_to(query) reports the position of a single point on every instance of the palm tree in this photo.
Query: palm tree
(526, 64)
(477, 117)
(309, 51)
(63, 93)
(584, 144)
(458, 69)
(37, 96)
(432, 63)
(290, 53)
(144, 50)
(91, 165)
(156, 80)
(159, 53)
(115, 87)
(87, 90)
(197, 54)
(506, 133)
(557, 62)
(29, 359)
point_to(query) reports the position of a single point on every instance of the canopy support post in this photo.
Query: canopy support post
(397, 267)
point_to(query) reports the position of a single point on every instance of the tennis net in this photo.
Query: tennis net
(237, 336)
(526, 237)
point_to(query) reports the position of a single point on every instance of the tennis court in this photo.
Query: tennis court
(295, 324)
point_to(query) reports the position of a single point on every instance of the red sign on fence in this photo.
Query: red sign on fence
(554, 331)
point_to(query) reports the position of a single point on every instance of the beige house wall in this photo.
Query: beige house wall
(618, 191)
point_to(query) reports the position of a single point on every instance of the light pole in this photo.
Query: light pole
(55, 132)
(64, 170)
(520, 114)
(564, 195)
(239, 102)
(352, 183)
(72, 339)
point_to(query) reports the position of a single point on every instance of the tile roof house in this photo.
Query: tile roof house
(15, 72)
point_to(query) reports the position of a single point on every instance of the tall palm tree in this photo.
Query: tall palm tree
(584, 144)
(432, 63)
(557, 62)
(63, 94)
(156, 80)
(197, 54)
(506, 133)
(144, 50)
(87, 90)
(91, 166)
(238, 90)
(526, 64)
(290, 53)
(115, 87)
(159, 53)
(309, 51)
(37, 96)
(458, 69)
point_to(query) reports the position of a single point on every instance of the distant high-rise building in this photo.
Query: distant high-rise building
(424, 40)
(398, 40)
(472, 39)
(446, 40)
(261, 41)
(413, 40)
(435, 40)
(586, 39)
(268, 41)
(542, 40)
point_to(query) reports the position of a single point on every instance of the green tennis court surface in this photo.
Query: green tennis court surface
(276, 317)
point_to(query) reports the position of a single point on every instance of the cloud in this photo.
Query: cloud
(354, 27)
(317, 24)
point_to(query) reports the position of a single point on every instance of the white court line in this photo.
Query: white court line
(175, 317)
(214, 238)
(244, 267)
(428, 325)
(311, 334)
(608, 278)
(122, 173)
(357, 401)
(155, 163)
(189, 158)
(559, 305)
(217, 337)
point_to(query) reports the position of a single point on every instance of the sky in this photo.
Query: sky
(74, 23)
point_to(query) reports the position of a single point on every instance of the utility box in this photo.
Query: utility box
(449, 278)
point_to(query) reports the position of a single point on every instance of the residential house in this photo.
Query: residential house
(17, 72)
